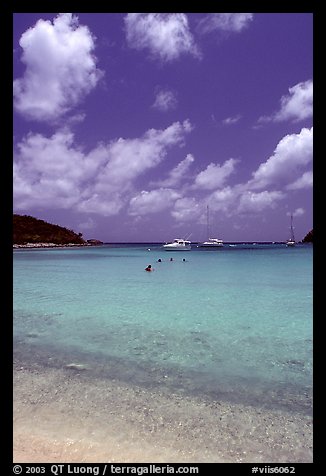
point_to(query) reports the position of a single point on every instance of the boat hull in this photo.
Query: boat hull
(211, 243)
(210, 246)
(176, 248)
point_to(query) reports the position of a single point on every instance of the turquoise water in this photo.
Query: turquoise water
(232, 324)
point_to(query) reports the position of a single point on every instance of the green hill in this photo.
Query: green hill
(27, 229)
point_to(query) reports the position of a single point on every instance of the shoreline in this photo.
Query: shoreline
(62, 416)
(52, 245)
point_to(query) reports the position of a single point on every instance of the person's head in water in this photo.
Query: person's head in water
(149, 268)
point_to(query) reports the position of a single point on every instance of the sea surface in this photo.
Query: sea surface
(231, 324)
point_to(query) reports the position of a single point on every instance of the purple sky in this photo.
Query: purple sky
(126, 126)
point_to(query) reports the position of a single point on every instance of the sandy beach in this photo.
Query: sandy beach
(60, 415)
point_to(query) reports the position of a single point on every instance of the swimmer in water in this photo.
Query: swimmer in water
(149, 268)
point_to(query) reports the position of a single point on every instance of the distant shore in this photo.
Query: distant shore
(100, 243)
(54, 245)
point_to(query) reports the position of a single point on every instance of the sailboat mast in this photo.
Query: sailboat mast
(207, 222)
(292, 232)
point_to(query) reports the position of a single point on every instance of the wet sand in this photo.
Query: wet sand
(61, 415)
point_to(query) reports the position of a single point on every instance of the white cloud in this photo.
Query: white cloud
(47, 172)
(89, 224)
(231, 201)
(305, 181)
(60, 68)
(129, 158)
(226, 22)
(166, 35)
(292, 153)
(54, 173)
(296, 106)
(177, 174)
(252, 202)
(297, 213)
(214, 175)
(225, 199)
(193, 209)
(187, 209)
(231, 120)
(153, 202)
(101, 204)
(165, 101)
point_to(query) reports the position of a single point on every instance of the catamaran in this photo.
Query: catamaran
(210, 242)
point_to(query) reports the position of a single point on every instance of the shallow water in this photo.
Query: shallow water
(233, 324)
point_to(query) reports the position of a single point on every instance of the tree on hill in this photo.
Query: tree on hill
(27, 229)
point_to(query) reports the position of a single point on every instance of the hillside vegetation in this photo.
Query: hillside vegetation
(27, 229)
(309, 237)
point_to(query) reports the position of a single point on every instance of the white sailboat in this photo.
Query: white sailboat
(291, 240)
(210, 242)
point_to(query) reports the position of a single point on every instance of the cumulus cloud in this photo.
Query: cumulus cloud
(272, 181)
(165, 101)
(54, 173)
(297, 213)
(129, 158)
(187, 209)
(165, 35)
(47, 171)
(253, 202)
(231, 120)
(101, 204)
(214, 175)
(305, 181)
(225, 22)
(60, 68)
(225, 199)
(89, 224)
(292, 153)
(152, 202)
(296, 106)
(178, 173)
(231, 201)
